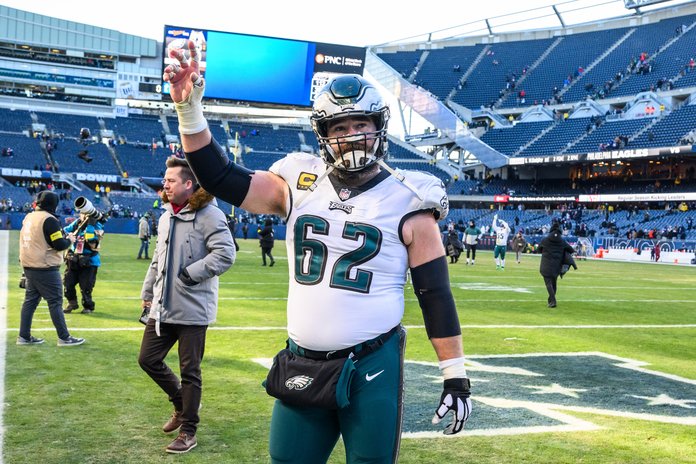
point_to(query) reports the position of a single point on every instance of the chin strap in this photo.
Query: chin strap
(400, 177)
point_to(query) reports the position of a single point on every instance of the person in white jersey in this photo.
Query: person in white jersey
(501, 229)
(355, 227)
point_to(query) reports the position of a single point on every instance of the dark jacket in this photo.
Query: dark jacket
(552, 249)
(266, 236)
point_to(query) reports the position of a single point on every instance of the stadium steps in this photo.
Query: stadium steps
(419, 66)
(660, 50)
(597, 61)
(165, 124)
(468, 72)
(534, 65)
(47, 155)
(650, 125)
(538, 136)
(117, 161)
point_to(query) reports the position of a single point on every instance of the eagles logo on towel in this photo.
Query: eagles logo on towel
(299, 382)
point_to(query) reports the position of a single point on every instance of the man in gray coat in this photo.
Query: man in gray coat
(194, 246)
(144, 236)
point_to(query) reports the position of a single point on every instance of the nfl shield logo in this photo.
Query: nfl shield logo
(344, 194)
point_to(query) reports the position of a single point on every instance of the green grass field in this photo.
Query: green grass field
(620, 348)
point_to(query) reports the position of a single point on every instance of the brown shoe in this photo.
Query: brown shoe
(183, 444)
(173, 423)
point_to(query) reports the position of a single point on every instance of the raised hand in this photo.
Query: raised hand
(186, 89)
(183, 75)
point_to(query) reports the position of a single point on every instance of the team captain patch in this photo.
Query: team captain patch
(305, 180)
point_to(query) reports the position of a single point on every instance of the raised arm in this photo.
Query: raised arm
(255, 191)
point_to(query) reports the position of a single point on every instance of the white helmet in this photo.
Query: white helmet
(350, 95)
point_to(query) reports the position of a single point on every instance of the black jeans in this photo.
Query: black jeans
(471, 249)
(551, 288)
(46, 284)
(185, 395)
(265, 251)
(86, 277)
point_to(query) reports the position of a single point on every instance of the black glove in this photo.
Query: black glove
(456, 398)
(186, 279)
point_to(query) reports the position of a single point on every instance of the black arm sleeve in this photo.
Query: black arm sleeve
(432, 287)
(54, 234)
(218, 175)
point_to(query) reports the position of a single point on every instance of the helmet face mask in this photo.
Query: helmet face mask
(350, 96)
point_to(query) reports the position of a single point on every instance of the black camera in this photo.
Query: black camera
(23, 281)
(84, 206)
(144, 316)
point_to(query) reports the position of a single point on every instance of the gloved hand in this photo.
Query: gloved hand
(186, 89)
(456, 398)
(186, 279)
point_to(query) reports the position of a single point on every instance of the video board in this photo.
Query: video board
(258, 69)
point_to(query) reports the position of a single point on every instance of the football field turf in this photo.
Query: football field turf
(609, 376)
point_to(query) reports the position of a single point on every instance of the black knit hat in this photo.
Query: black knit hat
(47, 201)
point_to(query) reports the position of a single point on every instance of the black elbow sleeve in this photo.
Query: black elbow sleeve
(218, 175)
(432, 287)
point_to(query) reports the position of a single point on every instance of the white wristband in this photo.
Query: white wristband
(190, 111)
(453, 368)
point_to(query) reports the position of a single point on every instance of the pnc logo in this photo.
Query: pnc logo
(328, 59)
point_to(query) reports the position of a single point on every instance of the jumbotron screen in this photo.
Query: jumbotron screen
(250, 68)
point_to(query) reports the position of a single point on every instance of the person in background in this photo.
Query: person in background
(355, 227)
(41, 247)
(232, 224)
(501, 229)
(144, 236)
(471, 238)
(552, 249)
(82, 261)
(453, 245)
(266, 241)
(518, 245)
(194, 246)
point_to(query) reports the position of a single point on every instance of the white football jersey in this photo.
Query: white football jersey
(502, 233)
(346, 260)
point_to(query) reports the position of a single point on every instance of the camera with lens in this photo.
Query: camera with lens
(23, 281)
(84, 206)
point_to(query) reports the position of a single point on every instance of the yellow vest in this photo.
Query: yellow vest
(34, 251)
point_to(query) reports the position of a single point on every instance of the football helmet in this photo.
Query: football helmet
(350, 95)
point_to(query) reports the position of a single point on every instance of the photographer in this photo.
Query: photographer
(41, 245)
(82, 259)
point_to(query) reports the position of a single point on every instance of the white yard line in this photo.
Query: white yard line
(139, 328)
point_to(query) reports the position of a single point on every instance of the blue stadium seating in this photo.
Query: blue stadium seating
(27, 152)
(508, 140)
(490, 75)
(403, 61)
(15, 120)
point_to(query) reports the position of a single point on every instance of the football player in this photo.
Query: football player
(501, 229)
(355, 227)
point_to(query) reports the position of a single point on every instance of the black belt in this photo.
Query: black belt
(360, 350)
